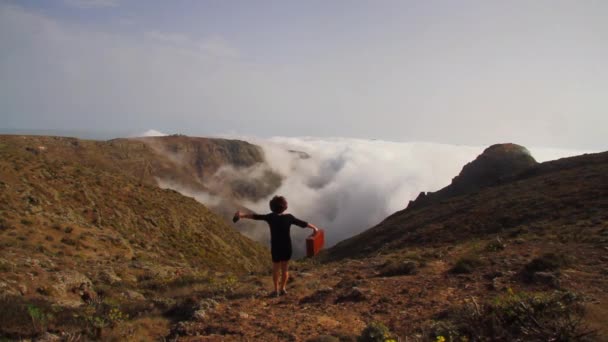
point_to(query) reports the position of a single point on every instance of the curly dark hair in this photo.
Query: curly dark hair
(278, 204)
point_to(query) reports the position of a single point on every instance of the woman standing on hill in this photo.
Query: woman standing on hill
(280, 238)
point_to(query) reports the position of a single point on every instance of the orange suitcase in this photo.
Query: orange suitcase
(314, 243)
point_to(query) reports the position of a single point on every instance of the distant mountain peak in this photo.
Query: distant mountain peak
(495, 163)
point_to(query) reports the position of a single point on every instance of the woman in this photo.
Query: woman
(280, 238)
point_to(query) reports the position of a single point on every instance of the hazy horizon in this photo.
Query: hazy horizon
(109, 135)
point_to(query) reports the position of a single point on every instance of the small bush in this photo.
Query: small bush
(466, 265)
(547, 262)
(397, 268)
(181, 310)
(554, 316)
(223, 286)
(6, 266)
(20, 318)
(100, 315)
(68, 241)
(495, 245)
(38, 316)
(190, 279)
(376, 332)
(115, 315)
(4, 225)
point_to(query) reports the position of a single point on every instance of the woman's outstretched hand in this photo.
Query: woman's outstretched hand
(237, 216)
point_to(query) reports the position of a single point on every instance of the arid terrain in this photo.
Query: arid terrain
(522, 257)
(93, 249)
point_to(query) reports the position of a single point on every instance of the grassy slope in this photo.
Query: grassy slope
(73, 204)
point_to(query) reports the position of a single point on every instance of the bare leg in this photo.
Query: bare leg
(284, 274)
(275, 275)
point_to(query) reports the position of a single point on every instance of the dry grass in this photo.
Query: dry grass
(88, 206)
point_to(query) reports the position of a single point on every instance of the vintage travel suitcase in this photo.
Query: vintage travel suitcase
(314, 243)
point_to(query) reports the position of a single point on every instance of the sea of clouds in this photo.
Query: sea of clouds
(347, 185)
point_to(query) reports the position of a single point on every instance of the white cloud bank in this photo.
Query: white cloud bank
(349, 185)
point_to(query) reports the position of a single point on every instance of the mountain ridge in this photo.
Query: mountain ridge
(485, 203)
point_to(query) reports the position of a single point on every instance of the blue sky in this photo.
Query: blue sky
(464, 72)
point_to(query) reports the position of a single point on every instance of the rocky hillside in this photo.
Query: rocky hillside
(521, 257)
(218, 172)
(210, 170)
(75, 218)
(194, 163)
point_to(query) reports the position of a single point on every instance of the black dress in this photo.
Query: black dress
(280, 238)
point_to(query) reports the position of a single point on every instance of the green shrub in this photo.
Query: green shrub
(38, 316)
(224, 285)
(99, 315)
(22, 319)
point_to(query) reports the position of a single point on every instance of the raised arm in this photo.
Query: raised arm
(239, 215)
(304, 224)
(243, 215)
